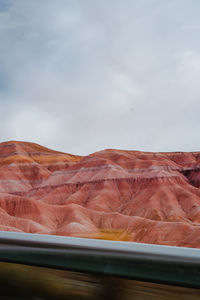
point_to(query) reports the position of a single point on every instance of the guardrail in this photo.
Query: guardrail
(153, 263)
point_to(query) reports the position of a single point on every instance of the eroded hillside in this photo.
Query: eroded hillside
(127, 195)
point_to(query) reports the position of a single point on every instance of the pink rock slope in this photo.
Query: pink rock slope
(125, 195)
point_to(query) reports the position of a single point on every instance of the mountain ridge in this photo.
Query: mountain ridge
(151, 197)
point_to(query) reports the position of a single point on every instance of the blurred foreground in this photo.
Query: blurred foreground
(28, 282)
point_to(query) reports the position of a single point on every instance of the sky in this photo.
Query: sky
(80, 76)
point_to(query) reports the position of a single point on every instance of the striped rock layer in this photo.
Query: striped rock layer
(138, 196)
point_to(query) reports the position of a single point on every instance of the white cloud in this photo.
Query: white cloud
(80, 76)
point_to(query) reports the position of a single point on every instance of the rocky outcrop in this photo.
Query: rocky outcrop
(127, 195)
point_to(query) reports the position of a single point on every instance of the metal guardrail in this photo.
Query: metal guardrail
(153, 263)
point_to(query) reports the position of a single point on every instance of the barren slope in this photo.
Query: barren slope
(131, 195)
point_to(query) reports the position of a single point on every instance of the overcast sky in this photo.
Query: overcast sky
(85, 75)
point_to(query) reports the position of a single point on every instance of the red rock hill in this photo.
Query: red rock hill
(129, 195)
